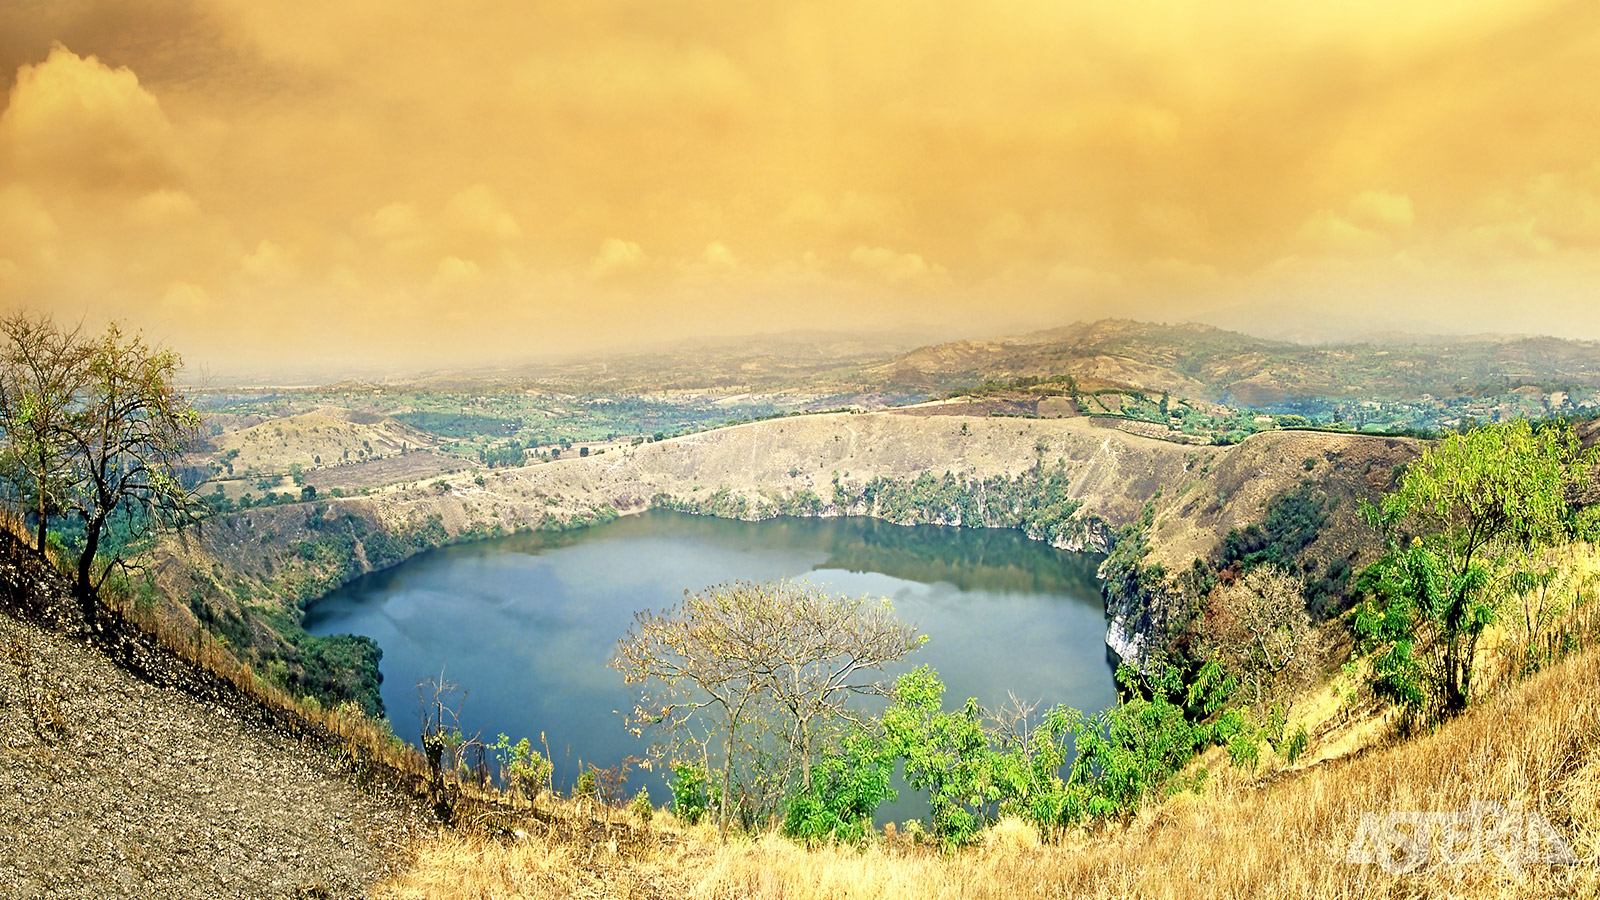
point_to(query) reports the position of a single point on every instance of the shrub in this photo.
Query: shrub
(585, 787)
(640, 807)
(847, 785)
(693, 794)
(1297, 744)
(522, 767)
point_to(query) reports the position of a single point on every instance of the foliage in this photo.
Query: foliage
(522, 768)
(1476, 503)
(977, 766)
(1134, 750)
(1296, 744)
(847, 785)
(42, 381)
(693, 793)
(1036, 502)
(1291, 523)
(1258, 626)
(127, 437)
(339, 667)
(641, 806)
(761, 672)
(1423, 622)
(585, 787)
(945, 753)
(94, 426)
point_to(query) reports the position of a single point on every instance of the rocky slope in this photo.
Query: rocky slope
(147, 779)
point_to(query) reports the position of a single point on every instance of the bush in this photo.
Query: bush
(640, 807)
(1297, 744)
(847, 786)
(693, 794)
(585, 788)
(1244, 751)
(522, 767)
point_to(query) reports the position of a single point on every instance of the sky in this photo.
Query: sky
(406, 184)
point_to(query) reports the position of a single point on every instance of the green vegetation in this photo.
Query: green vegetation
(760, 676)
(1477, 509)
(1035, 502)
(745, 688)
(522, 768)
(95, 428)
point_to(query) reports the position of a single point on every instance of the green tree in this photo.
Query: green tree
(41, 384)
(847, 785)
(1471, 503)
(946, 754)
(127, 434)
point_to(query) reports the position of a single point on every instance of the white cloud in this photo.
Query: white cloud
(616, 256)
(896, 267)
(479, 210)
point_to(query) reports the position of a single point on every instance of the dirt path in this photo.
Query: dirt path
(113, 785)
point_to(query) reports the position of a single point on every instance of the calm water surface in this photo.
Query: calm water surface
(525, 624)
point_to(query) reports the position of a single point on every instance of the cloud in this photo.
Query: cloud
(1565, 206)
(182, 298)
(453, 270)
(896, 267)
(1082, 279)
(74, 119)
(267, 262)
(164, 208)
(478, 210)
(616, 257)
(1371, 221)
(718, 256)
(376, 165)
(1381, 211)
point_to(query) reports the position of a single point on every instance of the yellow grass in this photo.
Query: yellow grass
(1537, 745)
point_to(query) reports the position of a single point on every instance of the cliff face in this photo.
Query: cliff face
(829, 464)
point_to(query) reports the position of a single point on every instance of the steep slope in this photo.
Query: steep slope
(162, 784)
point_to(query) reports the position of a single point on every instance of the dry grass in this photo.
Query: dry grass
(1536, 745)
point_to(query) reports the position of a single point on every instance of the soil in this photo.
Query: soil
(145, 779)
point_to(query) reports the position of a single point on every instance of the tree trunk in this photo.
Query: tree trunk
(43, 505)
(805, 753)
(727, 783)
(42, 530)
(87, 599)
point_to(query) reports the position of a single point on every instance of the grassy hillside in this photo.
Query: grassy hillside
(1534, 748)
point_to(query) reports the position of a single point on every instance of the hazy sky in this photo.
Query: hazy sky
(421, 181)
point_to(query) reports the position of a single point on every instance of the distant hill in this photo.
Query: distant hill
(1200, 362)
(1209, 363)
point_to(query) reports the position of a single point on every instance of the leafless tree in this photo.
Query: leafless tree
(1259, 625)
(761, 669)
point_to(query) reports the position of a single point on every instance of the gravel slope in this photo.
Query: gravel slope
(113, 785)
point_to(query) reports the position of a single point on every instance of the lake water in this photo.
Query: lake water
(525, 624)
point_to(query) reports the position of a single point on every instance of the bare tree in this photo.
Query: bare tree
(42, 381)
(1259, 625)
(754, 667)
(127, 433)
